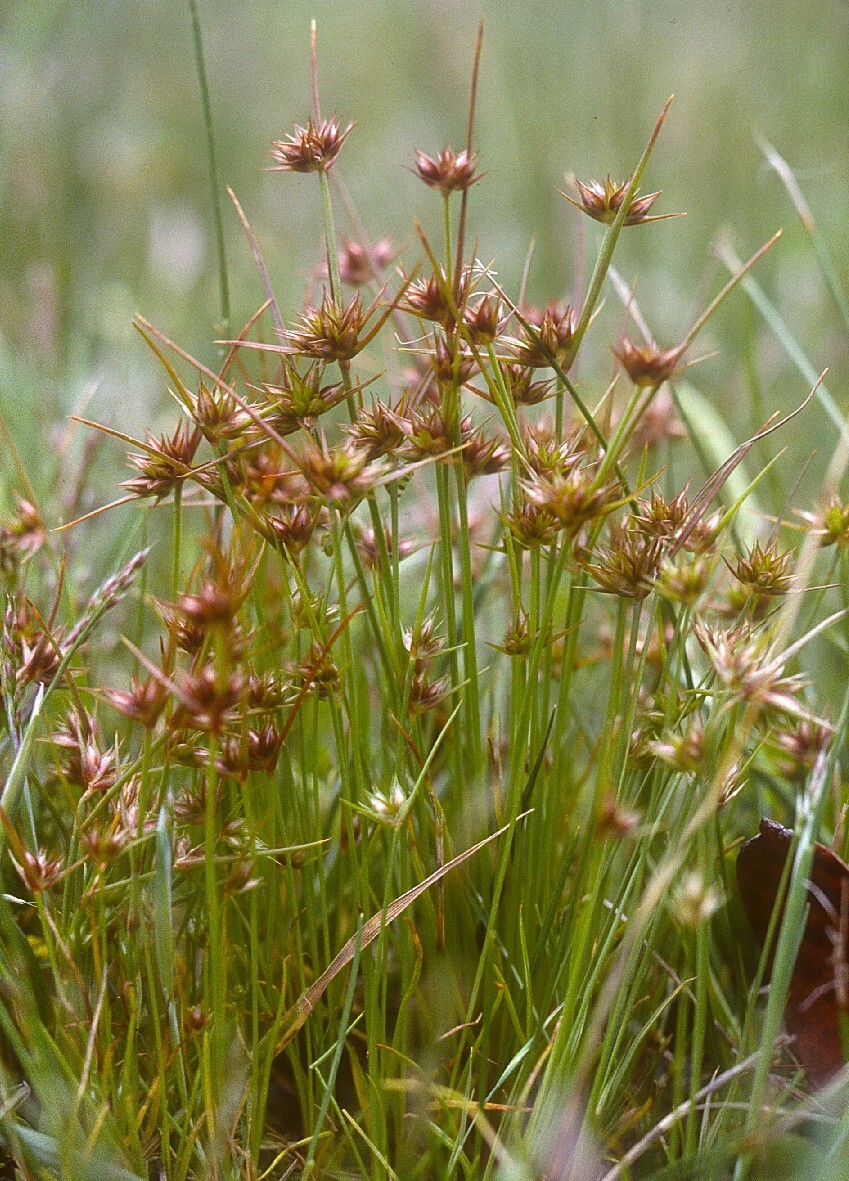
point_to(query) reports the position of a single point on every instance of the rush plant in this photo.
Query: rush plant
(370, 808)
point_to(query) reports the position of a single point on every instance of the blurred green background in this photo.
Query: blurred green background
(104, 192)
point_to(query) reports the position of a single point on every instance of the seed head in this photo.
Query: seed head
(426, 695)
(292, 527)
(450, 171)
(647, 365)
(660, 517)
(143, 702)
(483, 456)
(82, 760)
(219, 415)
(258, 750)
(800, 746)
(369, 549)
(451, 365)
(38, 871)
(573, 499)
(550, 456)
(615, 822)
(330, 332)
(483, 321)
(746, 667)
(659, 423)
(207, 699)
(21, 537)
(682, 752)
(602, 202)
(763, 573)
(358, 265)
(300, 402)
(318, 671)
(555, 327)
(524, 390)
(340, 475)
(165, 464)
(685, 577)
(313, 148)
(517, 638)
(424, 643)
(628, 566)
(378, 430)
(428, 299)
(531, 525)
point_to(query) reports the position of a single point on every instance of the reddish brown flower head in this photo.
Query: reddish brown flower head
(451, 367)
(427, 433)
(646, 365)
(165, 464)
(313, 148)
(658, 423)
(483, 456)
(532, 526)
(318, 672)
(143, 702)
(208, 700)
(602, 202)
(519, 380)
(371, 551)
(340, 475)
(358, 265)
(427, 298)
(219, 415)
(424, 643)
(573, 499)
(40, 656)
(81, 759)
(258, 750)
(629, 565)
(300, 401)
(426, 695)
(267, 691)
(378, 430)
(23, 535)
(555, 328)
(38, 871)
(615, 822)
(292, 528)
(449, 172)
(483, 321)
(330, 332)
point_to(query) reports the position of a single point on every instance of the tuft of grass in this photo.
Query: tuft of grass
(375, 813)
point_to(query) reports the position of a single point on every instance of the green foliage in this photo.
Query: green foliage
(373, 768)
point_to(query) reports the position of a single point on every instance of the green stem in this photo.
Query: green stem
(215, 183)
(330, 240)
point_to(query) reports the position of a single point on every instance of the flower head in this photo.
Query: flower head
(647, 365)
(553, 330)
(313, 148)
(449, 172)
(602, 202)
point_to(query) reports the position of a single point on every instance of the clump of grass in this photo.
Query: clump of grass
(384, 828)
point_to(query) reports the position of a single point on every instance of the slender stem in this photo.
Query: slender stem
(330, 240)
(215, 184)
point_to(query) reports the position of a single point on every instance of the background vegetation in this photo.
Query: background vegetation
(313, 732)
